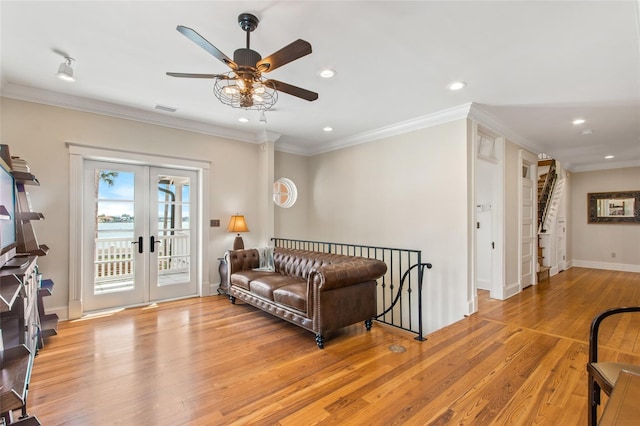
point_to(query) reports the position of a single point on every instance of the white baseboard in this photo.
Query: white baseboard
(623, 267)
(511, 290)
(472, 305)
(213, 288)
(61, 311)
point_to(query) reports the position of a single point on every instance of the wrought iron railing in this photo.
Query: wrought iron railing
(397, 304)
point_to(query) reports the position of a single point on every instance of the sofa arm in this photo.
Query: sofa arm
(242, 260)
(338, 275)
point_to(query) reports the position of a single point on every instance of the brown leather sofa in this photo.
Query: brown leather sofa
(320, 292)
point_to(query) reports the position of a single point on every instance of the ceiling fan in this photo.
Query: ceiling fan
(244, 86)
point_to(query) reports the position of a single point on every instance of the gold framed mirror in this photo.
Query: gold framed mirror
(613, 207)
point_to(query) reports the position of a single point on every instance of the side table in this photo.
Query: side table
(224, 278)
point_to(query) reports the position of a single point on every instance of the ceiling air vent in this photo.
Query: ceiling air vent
(165, 108)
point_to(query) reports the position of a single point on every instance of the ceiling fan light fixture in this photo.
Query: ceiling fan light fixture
(247, 67)
(65, 72)
(231, 90)
(257, 94)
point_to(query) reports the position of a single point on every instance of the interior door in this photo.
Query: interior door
(528, 258)
(137, 225)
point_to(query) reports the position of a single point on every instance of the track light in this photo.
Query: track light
(65, 72)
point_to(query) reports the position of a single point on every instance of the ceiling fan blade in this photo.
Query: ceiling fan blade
(293, 90)
(289, 53)
(190, 75)
(202, 42)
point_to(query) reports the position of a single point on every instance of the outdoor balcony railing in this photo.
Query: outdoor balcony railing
(114, 260)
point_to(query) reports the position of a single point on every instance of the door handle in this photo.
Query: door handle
(139, 243)
(153, 244)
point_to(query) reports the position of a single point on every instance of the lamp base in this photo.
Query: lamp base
(238, 244)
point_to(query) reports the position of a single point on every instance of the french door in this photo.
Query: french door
(140, 224)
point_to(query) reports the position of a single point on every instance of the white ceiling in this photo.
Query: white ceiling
(531, 68)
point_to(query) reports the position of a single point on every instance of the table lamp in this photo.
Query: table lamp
(237, 224)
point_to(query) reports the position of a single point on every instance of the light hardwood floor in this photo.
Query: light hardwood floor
(207, 362)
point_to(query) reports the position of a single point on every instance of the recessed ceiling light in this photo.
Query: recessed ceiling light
(327, 129)
(243, 119)
(609, 157)
(456, 85)
(578, 121)
(586, 131)
(327, 73)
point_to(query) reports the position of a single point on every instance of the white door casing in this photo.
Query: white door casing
(527, 218)
(78, 252)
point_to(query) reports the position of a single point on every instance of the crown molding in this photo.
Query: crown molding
(605, 165)
(267, 136)
(486, 119)
(437, 118)
(46, 97)
(290, 148)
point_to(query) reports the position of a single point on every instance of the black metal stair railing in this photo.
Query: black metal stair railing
(545, 195)
(397, 304)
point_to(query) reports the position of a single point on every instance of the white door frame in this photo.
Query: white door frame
(78, 154)
(527, 158)
(493, 154)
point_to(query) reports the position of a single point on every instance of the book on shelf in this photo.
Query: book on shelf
(20, 165)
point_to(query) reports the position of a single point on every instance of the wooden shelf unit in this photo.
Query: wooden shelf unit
(21, 308)
(28, 243)
(48, 322)
(18, 337)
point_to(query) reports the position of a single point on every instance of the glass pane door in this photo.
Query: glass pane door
(140, 228)
(114, 222)
(173, 233)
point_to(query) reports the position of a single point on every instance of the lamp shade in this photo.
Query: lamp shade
(237, 224)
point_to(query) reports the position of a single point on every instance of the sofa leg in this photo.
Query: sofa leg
(232, 299)
(320, 341)
(368, 323)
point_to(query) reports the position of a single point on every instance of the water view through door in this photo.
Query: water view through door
(140, 222)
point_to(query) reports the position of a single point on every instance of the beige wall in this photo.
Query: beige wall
(38, 133)
(293, 222)
(408, 191)
(592, 244)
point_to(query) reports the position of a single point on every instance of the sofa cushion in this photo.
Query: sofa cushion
(292, 295)
(264, 286)
(243, 278)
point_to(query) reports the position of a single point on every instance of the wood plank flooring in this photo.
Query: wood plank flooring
(207, 362)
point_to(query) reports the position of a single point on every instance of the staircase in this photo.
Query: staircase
(549, 195)
(553, 204)
(546, 183)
